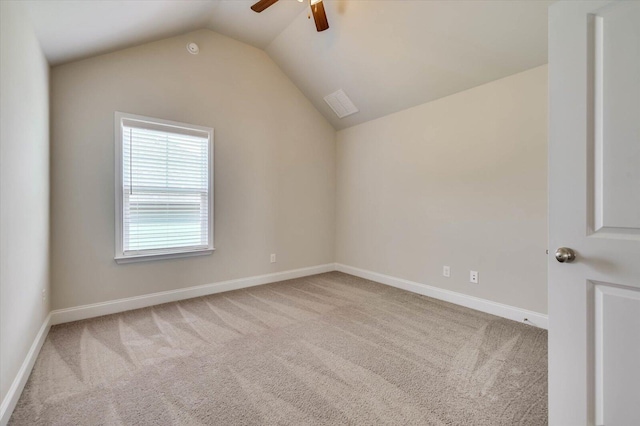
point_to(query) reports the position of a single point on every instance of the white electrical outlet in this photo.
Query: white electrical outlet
(473, 277)
(44, 294)
(273, 258)
(446, 271)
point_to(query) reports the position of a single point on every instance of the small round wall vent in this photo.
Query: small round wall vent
(193, 48)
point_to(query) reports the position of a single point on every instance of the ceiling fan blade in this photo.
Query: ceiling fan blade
(319, 16)
(262, 5)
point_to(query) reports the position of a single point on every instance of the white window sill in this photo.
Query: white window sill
(162, 256)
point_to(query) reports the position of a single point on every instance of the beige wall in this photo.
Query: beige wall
(460, 181)
(24, 189)
(274, 165)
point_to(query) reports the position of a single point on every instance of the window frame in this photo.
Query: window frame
(158, 254)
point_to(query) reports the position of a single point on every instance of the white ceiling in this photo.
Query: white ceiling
(73, 29)
(391, 55)
(387, 55)
(234, 18)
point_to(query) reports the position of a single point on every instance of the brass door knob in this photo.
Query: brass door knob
(565, 255)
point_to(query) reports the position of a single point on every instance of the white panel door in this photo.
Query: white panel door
(594, 209)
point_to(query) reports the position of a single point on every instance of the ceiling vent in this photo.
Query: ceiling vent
(341, 104)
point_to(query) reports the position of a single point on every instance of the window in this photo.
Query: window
(164, 189)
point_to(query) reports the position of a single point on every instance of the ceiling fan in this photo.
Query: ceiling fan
(317, 8)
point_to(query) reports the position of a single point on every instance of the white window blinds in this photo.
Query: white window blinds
(166, 190)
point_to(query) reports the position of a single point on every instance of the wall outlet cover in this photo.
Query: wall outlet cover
(446, 271)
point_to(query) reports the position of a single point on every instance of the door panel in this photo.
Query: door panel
(594, 208)
(616, 65)
(617, 346)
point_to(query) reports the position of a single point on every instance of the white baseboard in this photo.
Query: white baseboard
(60, 316)
(494, 308)
(11, 398)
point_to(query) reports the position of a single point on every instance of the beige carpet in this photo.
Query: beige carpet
(329, 349)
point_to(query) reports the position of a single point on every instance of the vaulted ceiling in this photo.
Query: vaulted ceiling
(387, 55)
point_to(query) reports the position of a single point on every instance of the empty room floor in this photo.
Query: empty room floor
(326, 349)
